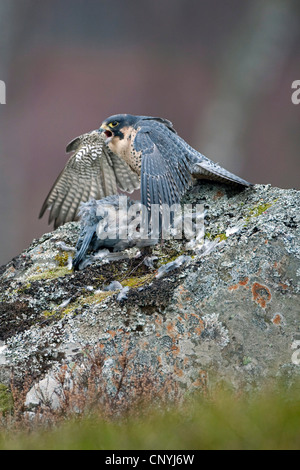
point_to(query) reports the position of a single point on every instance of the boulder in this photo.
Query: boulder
(226, 311)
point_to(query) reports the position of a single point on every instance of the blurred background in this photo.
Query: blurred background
(220, 71)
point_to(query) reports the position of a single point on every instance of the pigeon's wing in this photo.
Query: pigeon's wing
(93, 171)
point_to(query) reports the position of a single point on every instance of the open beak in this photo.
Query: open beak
(106, 130)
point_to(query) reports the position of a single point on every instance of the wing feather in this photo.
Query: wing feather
(164, 177)
(92, 171)
(169, 164)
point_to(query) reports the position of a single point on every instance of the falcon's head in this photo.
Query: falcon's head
(115, 126)
(120, 130)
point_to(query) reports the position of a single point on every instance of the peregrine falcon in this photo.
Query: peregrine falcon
(128, 151)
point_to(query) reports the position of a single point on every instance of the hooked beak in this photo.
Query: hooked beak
(106, 130)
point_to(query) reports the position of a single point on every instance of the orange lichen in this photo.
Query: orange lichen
(197, 316)
(218, 195)
(284, 286)
(175, 350)
(112, 333)
(277, 319)
(178, 371)
(244, 282)
(261, 294)
(201, 382)
(170, 328)
(199, 329)
(233, 287)
(197, 383)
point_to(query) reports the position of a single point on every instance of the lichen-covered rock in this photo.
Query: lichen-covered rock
(228, 312)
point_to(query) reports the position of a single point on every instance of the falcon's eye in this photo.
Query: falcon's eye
(113, 124)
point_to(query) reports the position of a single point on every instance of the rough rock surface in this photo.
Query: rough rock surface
(230, 314)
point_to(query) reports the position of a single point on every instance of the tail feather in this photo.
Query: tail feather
(209, 170)
(83, 246)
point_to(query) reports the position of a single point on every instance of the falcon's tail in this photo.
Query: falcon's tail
(207, 169)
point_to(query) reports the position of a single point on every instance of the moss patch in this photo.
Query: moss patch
(258, 210)
(135, 282)
(62, 259)
(51, 274)
(219, 236)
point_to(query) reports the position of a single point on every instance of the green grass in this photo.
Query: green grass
(6, 401)
(267, 421)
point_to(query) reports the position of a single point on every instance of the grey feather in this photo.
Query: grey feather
(210, 170)
(92, 213)
(165, 176)
(169, 164)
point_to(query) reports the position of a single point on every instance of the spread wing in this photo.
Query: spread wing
(165, 172)
(169, 165)
(93, 171)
